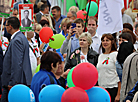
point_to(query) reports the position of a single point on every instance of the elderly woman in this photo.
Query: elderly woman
(49, 66)
(83, 53)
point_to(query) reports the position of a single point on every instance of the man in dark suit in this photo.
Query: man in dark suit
(26, 22)
(1, 68)
(16, 62)
(44, 9)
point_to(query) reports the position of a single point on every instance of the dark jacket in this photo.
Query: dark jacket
(16, 62)
(42, 79)
(1, 68)
(92, 57)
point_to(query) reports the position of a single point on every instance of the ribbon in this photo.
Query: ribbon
(5, 44)
(52, 39)
(35, 50)
(106, 61)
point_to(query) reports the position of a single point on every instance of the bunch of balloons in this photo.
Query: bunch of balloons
(46, 36)
(81, 80)
(92, 11)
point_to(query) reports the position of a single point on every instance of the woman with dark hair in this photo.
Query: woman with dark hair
(44, 23)
(48, 67)
(128, 26)
(125, 49)
(131, 33)
(108, 77)
(125, 37)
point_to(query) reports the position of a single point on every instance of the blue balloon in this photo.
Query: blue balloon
(21, 93)
(51, 93)
(98, 94)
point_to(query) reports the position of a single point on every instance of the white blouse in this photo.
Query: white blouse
(107, 75)
(84, 59)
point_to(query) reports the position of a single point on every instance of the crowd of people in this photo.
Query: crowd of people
(114, 55)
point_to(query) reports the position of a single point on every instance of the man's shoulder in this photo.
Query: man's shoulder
(38, 14)
(131, 56)
(63, 16)
(126, 16)
(20, 36)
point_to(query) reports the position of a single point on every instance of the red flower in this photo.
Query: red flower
(77, 51)
(82, 57)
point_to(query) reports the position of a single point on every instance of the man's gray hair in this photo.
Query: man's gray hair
(73, 14)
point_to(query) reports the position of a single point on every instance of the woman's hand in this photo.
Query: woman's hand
(64, 75)
(9, 87)
(117, 98)
(70, 32)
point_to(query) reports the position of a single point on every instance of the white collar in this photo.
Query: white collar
(41, 13)
(14, 34)
(95, 36)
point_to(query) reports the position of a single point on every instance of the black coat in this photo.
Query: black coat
(1, 68)
(92, 57)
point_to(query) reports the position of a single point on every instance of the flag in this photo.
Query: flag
(110, 16)
(126, 3)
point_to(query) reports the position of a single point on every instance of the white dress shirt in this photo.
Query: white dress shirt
(96, 43)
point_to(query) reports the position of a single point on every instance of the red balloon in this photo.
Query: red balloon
(45, 34)
(82, 14)
(75, 94)
(0, 43)
(85, 75)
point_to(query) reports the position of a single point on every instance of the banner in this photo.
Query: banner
(26, 17)
(5, 7)
(110, 16)
(135, 6)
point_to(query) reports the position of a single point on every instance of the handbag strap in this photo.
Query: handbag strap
(121, 65)
(129, 72)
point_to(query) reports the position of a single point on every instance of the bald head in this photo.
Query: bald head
(71, 15)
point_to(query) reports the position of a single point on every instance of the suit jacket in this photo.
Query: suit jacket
(1, 68)
(28, 23)
(38, 17)
(16, 63)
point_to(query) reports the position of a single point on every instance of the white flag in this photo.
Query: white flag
(110, 16)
